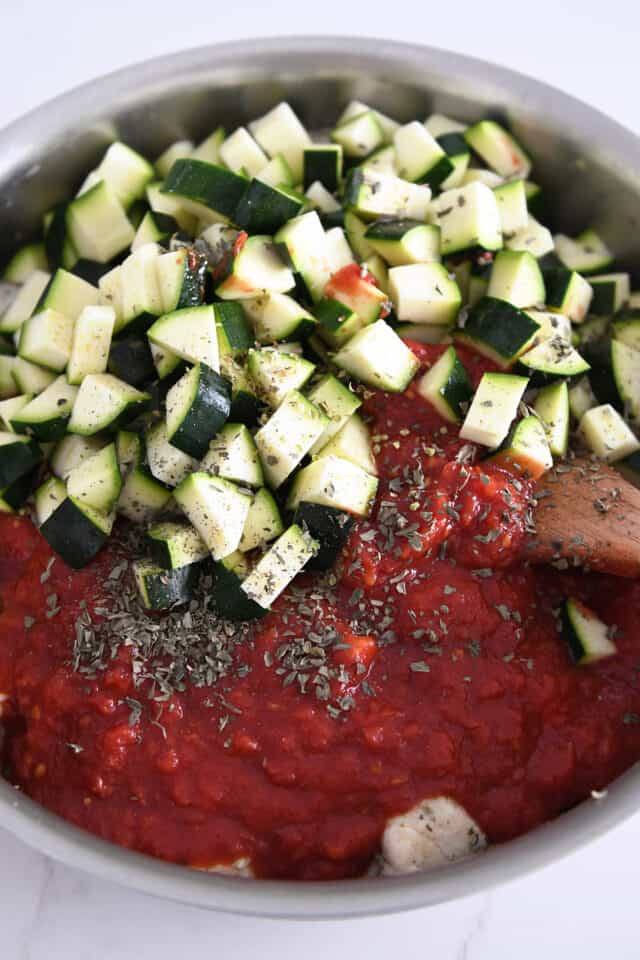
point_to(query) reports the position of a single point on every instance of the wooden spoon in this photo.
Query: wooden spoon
(587, 515)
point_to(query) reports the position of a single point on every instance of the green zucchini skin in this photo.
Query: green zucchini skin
(194, 280)
(263, 209)
(206, 183)
(228, 599)
(16, 494)
(17, 460)
(234, 333)
(162, 589)
(499, 330)
(56, 238)
(323, 164)
(73, 535)
(329, 527)
(209, 410)
(130, 360)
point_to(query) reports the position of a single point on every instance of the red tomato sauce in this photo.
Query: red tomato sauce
(450, 676)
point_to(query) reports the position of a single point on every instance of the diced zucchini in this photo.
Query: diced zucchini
(97, 224)
(46, 339)
(592, 330)
(130, 359)
(424, 332)
(457, 150)
(587, 637)
(96, 480)
(446, 387)
(355, 229)
(378, 357)
(217, 509)
(10, 407)
(201, 187)
(13, 497)
(419, 156)
(338, 249)
(172, 206)
(303, 243)
(264, 209)
(356, 108)
(67, 294)
(288, 436)
(25, 301)
(330, 529)
(468, 218)
(512, 205)
(424, 293)
(498, 330)
(104, 402)
(337, 402)
(352, 442)
(232, 455)
(234, 333)
(141, 299)
(276, 374)
(209, 149)
(555, 358)
(479, 175)
(568, 293)
(359, 135)
(322, 162)
(404, 241)
(276, 316)
(615, 376)
(198, 404)
(333, 482)
(227, 598)
(280, 131)
(9, 386)
(626, 329)
(91, 342)
(552, 407)
(142, 497)
(190, 334)
(551, 325)
(516, 278)
(533, 237)
(279, 566)
(606, 433)
(376, 266)
(75, 531)
(356, 292)
(611, 292)
(581, 398)
(587, 254)
(24, 261)
(337, 322)
(167, 463)
(241, 153)
(71, 451)
(126, 172)
(277, 173)
(493, 409)
(29, 377)
(263, 522)
(256, 269)
(175, 545)
(526, 449)
(47, 415)
(498, 149)
(162, 589)
(175, 151)
(181, 276)
(371, 194)
(154, 228)
(18, 456)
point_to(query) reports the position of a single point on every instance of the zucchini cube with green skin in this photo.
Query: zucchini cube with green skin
(333, 482)
(605, 433)
(197, 407)
(551, 325)
(75, 531)
(280, 131)
(611, 292)
(355, 230)
(287, 436)
(458, 153)
(587, 254)
(233, 455)
(355, 108)
(130, 360)
(626, 329)
(336, 322)
(154, 228)
(24, 261)
(25, 301)
(216, 508)
(142, 496)
(126, 172)
(13, 497)
(512, 204)
(376, 266)
(446, 387)
(469, 218)
(198, 184)
(96, 481)
(330, 528)
(141, 298)
(105, 402)
(68, 294)
(264, 209)
(498, 330)
(18, 456)
(371, 194)
(516, 278)
(424, 332)
(277, 316)
(46, 339)
(424, 293)
(419, 156)
(46, 417)
(245, 404)
(569, 293)
(98, 226)
(533, 237)
(227, 598)
(554, 358)
(279, 566)
(209, 149)
(263, 522)
(175, 545)
(401, 242)
(324, 202)
(277, 173)
(165, 362)
(10, 407)
(303, 244)
(337, 402)
(359, 135)
(615, 376)
(352, 442)
(234, 333)
(9, 386)
(162, 589)
(493, 409)
(190, 334)
(91, 342)
(71, 451)
(323, 163)
(276, 374)
(581, 398)
(170, 206)
(526, 449)
(257, 268)
(241, 153)
(378, 357)
(552, 407)
(181, 276)
(498, 149)
(586, 636)
(29, 377)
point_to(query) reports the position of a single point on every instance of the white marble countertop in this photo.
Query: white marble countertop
(587, 902)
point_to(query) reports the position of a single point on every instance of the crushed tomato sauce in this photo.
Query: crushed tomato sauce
(449, 677)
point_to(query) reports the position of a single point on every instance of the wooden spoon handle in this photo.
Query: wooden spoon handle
(587, 515)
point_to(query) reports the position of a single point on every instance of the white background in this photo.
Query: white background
(587, 904)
